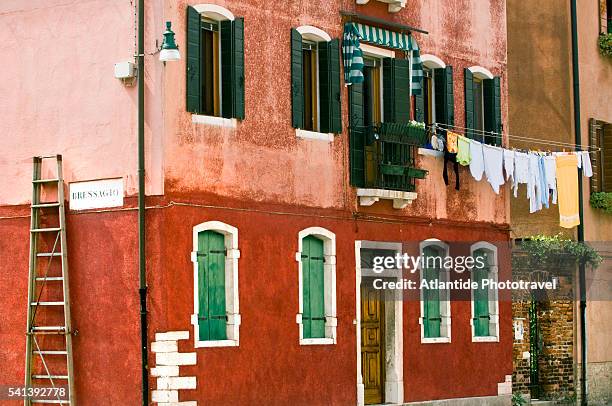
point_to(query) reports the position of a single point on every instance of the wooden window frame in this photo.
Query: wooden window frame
(329, 269)
(231, 284)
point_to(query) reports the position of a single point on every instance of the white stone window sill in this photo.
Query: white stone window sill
(216, 343)
(368, 197)
(317, 341)
(216, 121)
(487, 339)
(313, 135)
(435, 340)
(431, 152)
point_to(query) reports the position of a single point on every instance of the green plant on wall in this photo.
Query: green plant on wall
(602, 200)
(518, 400)
(544, 250)
(605, 44)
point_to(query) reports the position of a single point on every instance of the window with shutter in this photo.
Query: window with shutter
(215, 66)
(432, 317)
(435, 302)
(396, 90)
(492, 110)
(211, 286)
(601, 137)
(485, 302)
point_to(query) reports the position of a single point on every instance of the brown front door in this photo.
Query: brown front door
(372, 343)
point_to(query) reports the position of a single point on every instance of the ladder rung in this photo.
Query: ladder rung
(49, 278)
(49, 254)
(47, 303)
(45, 230)
(46, 180)
(43, 205)
(49, 328)
(51, 401)
(50, 376)
(51, 352)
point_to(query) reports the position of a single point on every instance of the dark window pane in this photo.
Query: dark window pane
(208, 78)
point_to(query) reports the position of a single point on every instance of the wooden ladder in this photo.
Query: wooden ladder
(49, 334)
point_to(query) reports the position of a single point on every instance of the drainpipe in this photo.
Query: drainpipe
(578, 142)
(142, 277)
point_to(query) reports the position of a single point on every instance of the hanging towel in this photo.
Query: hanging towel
(509, 163)
(477, 162)
(567, 186)
(463, 148)
(521, 170)
(587, 169)
(534, 187)
(493, 166)
(451, 142)
(544, 194)
(550, 169)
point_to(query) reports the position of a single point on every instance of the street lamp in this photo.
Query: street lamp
(169, 49)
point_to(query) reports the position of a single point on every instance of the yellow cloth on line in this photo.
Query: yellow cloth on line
(451, 142)
(567, 188)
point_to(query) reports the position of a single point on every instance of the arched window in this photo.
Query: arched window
(436, 103)
(435, 318)
(483, 105)
(485, 301)
(316, 259)
(215, 254)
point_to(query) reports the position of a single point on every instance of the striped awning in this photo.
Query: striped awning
(353, 61)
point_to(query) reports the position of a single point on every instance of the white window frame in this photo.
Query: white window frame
(445, 307)
(493, 295)
(231, 285)
(329, 285)
(215, 13)
(313, 34)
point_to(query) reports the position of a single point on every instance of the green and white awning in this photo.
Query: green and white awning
(354, 33)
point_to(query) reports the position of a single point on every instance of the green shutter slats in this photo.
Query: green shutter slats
(606, 158)
(492, 115)
(596, 158)
(469, 102)
(329, 86)
(356, 135)
(232, 68)
(481, 300)
(432, 317)
(445, 99)
(419, 107)
(313, 288)
(396, 90)
(212, 318)
(193, 89)
(297, 84)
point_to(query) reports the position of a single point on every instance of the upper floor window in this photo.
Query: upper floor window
(485, 301)
(435, 104)
(435, 303)
(315, 81)
(215, 62)
(216, 317)
(605, 16)
(601, 137)
(483, 105)
(317, 286)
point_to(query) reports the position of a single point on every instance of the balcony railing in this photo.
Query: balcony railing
(391, 156)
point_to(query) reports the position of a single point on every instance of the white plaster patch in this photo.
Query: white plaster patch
(175, 358)
(164, 346)
(176, 382)
(165, 370)
(172, 336)
(164, 396)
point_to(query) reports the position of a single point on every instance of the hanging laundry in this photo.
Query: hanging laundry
(477, 162)
(493, 166)
(534, 188)
(544, 194)
(521, 171)
(451, 142)
(587, 168)
(567, 187)
(509, 163)
(550, 170)
(463, 150)
(448, 157)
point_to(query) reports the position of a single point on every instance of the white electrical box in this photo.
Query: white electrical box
(125, 70)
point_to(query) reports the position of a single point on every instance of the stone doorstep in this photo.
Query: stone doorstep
(502, 400)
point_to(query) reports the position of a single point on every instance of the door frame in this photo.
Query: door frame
(394, 342)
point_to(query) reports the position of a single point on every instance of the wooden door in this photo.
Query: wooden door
(372, 343)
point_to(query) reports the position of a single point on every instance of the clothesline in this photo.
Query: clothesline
(464, 130)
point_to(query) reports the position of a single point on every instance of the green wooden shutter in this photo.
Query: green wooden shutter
(297, 81)
(491, 90)
(356, 135)
(606, 161)
(313, 288)
(419, 106)
(329, 86)
(481, 300)
(193, 90)
(232, 68)
(445, 99)
(396, 90)
(432, 317)
(469, 102)
(211, 286)
(595, 141)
